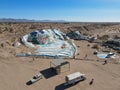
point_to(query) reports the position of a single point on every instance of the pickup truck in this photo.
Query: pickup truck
(36, 78)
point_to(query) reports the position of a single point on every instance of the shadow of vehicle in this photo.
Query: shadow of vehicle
(29, 83)
(63, 86)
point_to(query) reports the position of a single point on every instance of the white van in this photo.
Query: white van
(74, 78)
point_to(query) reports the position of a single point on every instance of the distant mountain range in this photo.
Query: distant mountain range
(27, 20)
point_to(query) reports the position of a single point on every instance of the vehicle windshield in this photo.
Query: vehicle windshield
(34, 77)
(82, 76)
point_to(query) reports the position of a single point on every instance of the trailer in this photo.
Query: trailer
(74, 78)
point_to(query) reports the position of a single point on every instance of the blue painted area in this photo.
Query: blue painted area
(55, 46)
(103, 56)
(55, 49)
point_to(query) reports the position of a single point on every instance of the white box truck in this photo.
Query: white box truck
(74, 78)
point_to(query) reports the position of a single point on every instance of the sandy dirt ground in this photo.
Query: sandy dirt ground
(16, 71)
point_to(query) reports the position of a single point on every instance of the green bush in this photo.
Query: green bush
(95, 46)
(104, 38)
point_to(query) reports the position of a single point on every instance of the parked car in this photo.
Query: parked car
(36, 78)
(74, 78)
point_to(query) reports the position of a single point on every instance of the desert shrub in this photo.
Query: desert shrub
(116, 37)
(32, 27)
(118, 52)
(11, 30)
(95, 46)
(104, 37)
(85, 34)
(85, 28)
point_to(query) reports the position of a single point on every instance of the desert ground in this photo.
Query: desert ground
(17, 71)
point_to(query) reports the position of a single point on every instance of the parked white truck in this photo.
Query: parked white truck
(74, 78)
(36, 78)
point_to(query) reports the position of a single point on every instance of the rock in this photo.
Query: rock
(16, 44)
(2, 44)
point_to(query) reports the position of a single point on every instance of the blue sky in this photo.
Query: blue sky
(70, 10)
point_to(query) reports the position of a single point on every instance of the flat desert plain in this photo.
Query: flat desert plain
(15, 72)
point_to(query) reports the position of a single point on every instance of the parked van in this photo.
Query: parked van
(74, 78)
